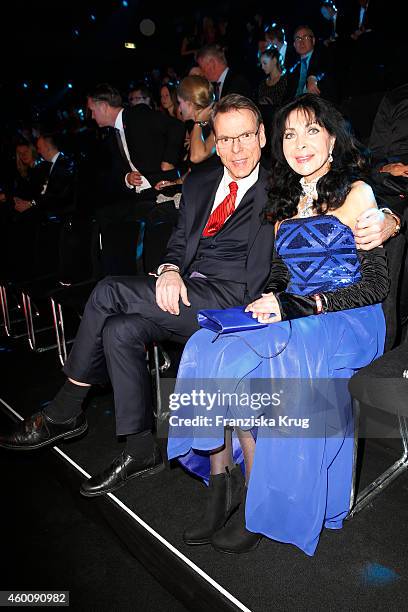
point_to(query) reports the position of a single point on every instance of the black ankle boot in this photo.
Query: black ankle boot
(235, 537)
(224, 496)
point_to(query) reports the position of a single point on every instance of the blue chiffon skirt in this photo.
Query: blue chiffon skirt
(300, 483)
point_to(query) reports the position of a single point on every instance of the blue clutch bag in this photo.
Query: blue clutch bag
(228, 320)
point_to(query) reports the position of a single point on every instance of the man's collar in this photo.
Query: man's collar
(243, 183)
(119, 121)
(222, 76)
(307, 55)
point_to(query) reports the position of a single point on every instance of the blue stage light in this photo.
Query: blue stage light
(45, 85)
(125, 4)
(93, 18)
(76, 32)
(25, 85)
(69, 85)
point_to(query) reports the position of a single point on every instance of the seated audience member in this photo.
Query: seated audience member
(328, 28)
(389, 147)
(27, 159)
(55, 196)
(21, 179)
(140, 95)
(218, 256)
(389, 144)
(272, 91)
(322, 324)
(47, 195)
(311, 73)
(196, 98)
(213, 63)
(143, 146)
(275, 35)
(168, 100)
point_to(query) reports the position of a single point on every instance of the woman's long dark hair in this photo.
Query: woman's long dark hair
(350, 161)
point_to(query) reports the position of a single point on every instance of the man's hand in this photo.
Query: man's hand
(169, 289)
(265, 309)
(373, 228)
(311, 85)
(396, 169)
(21, 205)
(134, 179)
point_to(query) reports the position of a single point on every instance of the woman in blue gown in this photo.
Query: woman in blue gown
(322, 321)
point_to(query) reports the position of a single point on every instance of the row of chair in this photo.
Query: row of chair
(382, 385)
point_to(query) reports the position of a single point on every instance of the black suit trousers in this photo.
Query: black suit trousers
(120, 319)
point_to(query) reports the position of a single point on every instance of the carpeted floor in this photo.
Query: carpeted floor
(56, 541)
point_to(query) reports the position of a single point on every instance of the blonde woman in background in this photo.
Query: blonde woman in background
(196, 97)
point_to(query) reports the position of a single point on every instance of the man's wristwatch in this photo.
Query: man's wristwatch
(388, 211)
(201, 123)
(167, 268)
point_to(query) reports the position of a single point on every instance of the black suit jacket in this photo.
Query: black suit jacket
(59, 196)
(320, 67)
(195, 207)
(151, 137)
(389, 143)
(236, 83)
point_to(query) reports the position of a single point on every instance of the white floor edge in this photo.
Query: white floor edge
(143, 524)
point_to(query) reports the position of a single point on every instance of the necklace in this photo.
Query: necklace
(310, 195)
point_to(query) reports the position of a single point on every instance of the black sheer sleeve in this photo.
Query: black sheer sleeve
(371, 289)
(279, 276)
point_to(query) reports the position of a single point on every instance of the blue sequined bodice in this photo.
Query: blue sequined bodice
(319, 252)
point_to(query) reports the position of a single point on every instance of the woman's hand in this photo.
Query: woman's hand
(265, 309)
(162, 184)
(203, 114)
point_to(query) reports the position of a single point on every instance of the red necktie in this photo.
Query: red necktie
(222, 212)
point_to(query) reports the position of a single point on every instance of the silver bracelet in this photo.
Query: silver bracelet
(326, 303)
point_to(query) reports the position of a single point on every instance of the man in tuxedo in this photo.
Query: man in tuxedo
(214, 66)
(32, 245)
(54, 192)
(144, 146)
(218, 256)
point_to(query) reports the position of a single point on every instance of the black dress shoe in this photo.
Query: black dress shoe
(235, 537)
(39, 431)
(123, 468)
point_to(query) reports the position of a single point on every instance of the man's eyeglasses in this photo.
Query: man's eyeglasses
(245, 140)
(304, 37)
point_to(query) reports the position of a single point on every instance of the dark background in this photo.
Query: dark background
(38, 43)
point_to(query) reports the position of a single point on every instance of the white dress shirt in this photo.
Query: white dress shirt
(221, 82)
(145, 183)
(53, 160)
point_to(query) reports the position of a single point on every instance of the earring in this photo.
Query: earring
(330, 158)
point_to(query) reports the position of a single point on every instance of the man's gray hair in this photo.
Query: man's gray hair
(236, 102)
